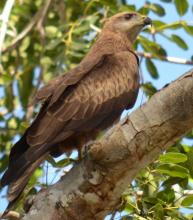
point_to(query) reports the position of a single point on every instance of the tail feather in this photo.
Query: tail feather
(16, 187)
(17, 168)
(18, 149)
(23, 161)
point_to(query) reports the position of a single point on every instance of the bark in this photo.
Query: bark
(93, 188)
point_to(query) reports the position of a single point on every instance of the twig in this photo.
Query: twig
(5, 17)
(113, 215)
(95, 28)
(37, 19)
(165, 58)
(43, 16)
(11, 215)
(40, 28)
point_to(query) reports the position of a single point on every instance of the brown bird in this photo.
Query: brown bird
(79, 104)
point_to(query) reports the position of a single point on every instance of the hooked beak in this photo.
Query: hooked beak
(147, 21)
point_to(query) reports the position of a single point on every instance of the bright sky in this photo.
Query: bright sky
(167, 71)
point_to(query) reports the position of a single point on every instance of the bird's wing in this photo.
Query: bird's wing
(109, 85)
(58, 85)
(44, 93)
(46, 126)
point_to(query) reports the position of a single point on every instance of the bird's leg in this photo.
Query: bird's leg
(82, 152)
(87, 147)
(85, 150)
(80, 156)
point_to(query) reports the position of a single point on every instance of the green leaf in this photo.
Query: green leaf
(6, 79)
(156, 8)
(173, 158)
(158, 23)
(51, 31)
(188, 29)
(83, 28)
(46, 61)
(149, 89)
(179, 41)
(143, 11)
(152, 47)
(166, 195)
(152, 68)
(25, 87)
(188, 201)
(166, 1)
(25, 44)
(12, 123)
(181, 6)
(33, 179)
(174, 26)
(150, 200)
(175, 180)
(64, 162)
(189, 162)
(60, 164)
(190, 134)
(158, 211)
(129, 206)
(9, 98)
(53, 44)
(173, 170)
(4, 163)
(128, 8)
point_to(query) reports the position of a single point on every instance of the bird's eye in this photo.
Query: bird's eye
(129, 16)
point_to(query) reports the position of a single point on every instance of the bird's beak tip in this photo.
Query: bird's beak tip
(147, 21)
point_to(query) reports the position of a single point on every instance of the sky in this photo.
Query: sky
(168, 71)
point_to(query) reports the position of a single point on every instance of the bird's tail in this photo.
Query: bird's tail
(17, 185)
(23, 161)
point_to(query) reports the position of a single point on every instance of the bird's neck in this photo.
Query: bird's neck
(119, 41)
(112, 42)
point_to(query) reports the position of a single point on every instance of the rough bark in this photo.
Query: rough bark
(93, 188)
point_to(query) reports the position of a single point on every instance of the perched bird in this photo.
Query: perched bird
(83, 102)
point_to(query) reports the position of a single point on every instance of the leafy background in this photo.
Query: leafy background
(38, 47)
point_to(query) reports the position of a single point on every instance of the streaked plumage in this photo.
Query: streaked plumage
(79, 104)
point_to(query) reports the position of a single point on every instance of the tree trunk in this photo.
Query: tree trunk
(93, 188)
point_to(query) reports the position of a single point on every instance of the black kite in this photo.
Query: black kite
(79, 104)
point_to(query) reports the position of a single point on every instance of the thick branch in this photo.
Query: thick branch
(93, 188)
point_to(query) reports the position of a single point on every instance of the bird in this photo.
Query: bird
(79, 104)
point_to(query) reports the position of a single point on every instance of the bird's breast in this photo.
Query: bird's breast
(117, 75)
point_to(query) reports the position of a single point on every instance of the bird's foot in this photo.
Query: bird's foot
(83, 151)
(87, 147)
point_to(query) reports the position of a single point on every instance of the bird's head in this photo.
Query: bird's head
(129, 23)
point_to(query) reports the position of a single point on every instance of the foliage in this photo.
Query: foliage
(58, 42)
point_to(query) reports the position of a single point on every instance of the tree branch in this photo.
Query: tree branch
(4, 17)
(37, 19)
(165, 58)
(93, 188)
(12, 215)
